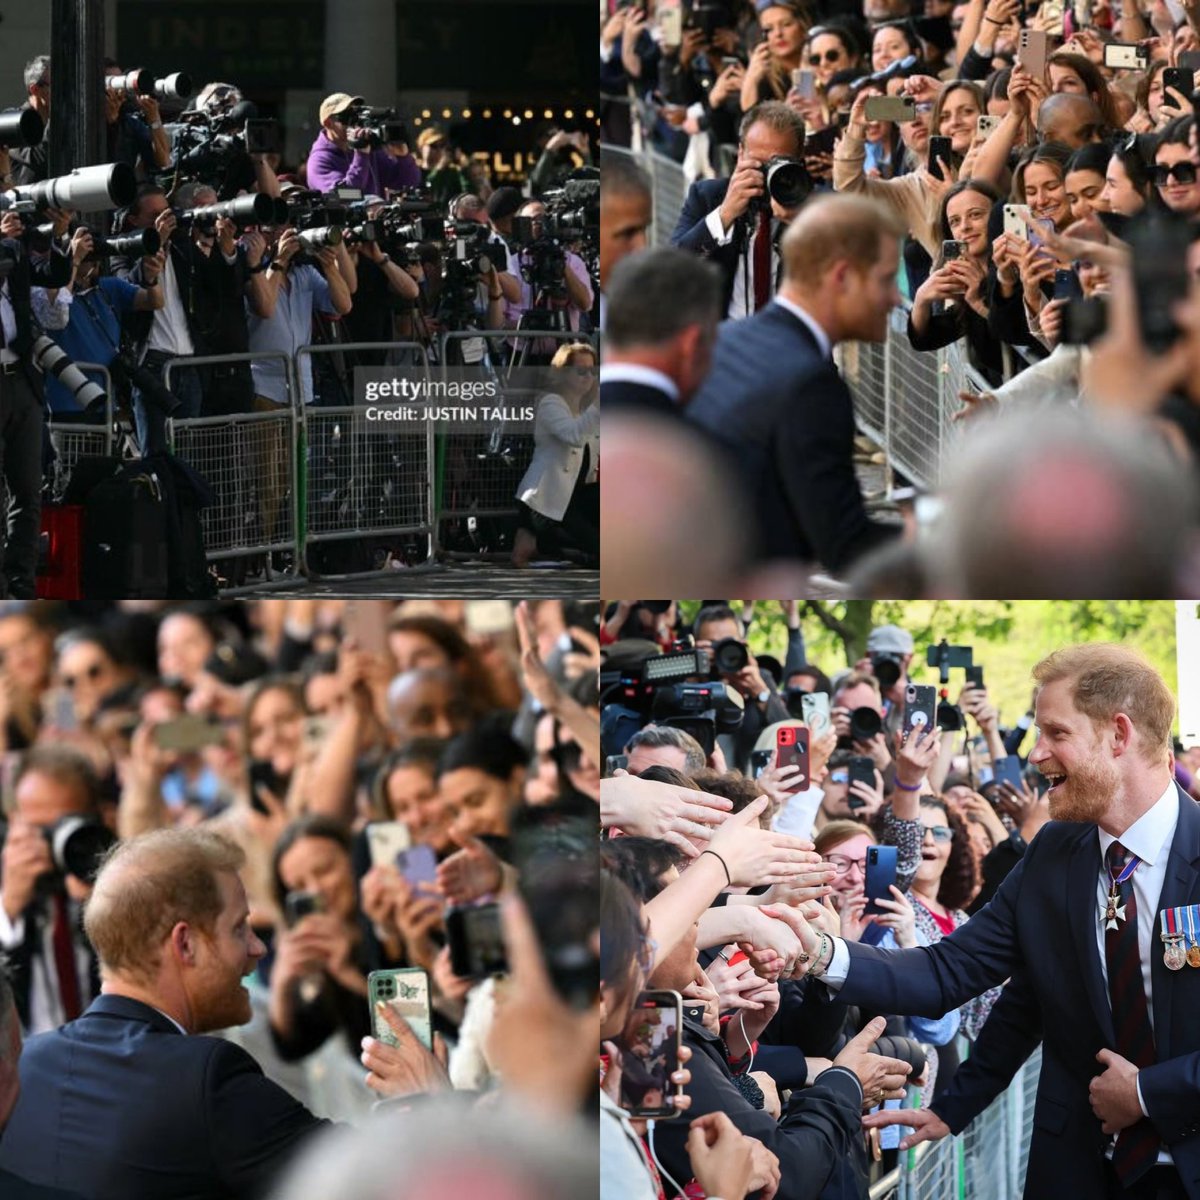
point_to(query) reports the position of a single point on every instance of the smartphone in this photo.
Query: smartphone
(974, 676)
(670, 23)
(804, 83)
(1007, 770)
(985, 124)
(1066, 285)
(476, 941)
(187, 734)
(822, 141)
(953, 249)
(614, 763)
(861, 770)
(791, 745)
(298, 905)
(62, 708)
(386, 841)
(1053, 12)
(730, 60)
(263, 774)
(492, 616)
(814, 708)
(405, 990)
(1125, 56)
(920, 700)
(760, 760)
(1016, 220)
(1189, 60)
(1181, 80)
(890, 108)
(650, 1045)
(941, 157)
(1160, 246)
(1084, 321)
(881, 875)
(1032, 49)
(418, 865)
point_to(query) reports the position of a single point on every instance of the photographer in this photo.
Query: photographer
(30, 164)
(54, 969)
(381, 282)
(578, 284)
(21, 417)
(336, 160)
(439, 173)
(730, 220)
(135, 131)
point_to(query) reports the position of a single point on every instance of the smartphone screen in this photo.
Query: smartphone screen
(476, 941)
(298, 905)
(760, 760)
(405, 990)
(940, 157)
(418, 865)
(791, 743)
(881, 875)
(650, 1055)
(386, 841)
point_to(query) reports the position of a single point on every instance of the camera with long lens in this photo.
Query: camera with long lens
(887, 668)
(138, 244)
(729, 656)
(319, 237)
(77, 844)
(786, 181)
(375, 127)
(207, 146)
(865, 723)
(256, 209)
(21, 127)
(50, 358)
(86, 189)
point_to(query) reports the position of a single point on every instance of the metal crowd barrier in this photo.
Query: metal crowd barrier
(73, 440)
(478, 471)
(251, 460)
(361, 482)
(987, 1161)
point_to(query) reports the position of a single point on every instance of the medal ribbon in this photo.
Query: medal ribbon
(1167, 918)
(1129, 868)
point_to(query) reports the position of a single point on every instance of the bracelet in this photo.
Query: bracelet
(496, 296)
(256, 270)
(993, 21)
(817, 970)
(728, 877)
(905, 788)
(156, 125)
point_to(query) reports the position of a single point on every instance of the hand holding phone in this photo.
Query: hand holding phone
(649, 1046)
(880, 876)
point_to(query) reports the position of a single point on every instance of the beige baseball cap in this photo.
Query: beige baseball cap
(338, 102)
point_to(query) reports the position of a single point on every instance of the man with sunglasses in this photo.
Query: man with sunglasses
(54, 968)
(334, 161)
(30, 164)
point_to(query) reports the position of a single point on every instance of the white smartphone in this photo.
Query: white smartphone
(814, 706)
(985, 124)
(804, 83)
(1125, 56)
(1016, 220)
(670, 23)
(386, 841)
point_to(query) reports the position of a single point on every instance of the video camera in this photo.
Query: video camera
(206, 146)
(376, 126)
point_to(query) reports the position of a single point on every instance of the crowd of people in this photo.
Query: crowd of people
(1020, 179)
(254, 820)
(379, 234)
(741, 876)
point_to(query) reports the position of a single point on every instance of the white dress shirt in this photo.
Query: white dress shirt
(45, 1001)
(169, 329)
(741, 303)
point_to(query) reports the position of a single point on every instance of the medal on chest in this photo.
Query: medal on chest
(1174, 953)
(1112, 911)
(1193, 954)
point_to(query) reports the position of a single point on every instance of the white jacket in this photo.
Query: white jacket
(559, 439)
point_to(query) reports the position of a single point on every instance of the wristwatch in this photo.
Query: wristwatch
(763, 696)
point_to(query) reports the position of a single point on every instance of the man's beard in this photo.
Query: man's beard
(1086, 794)
(225, 1007)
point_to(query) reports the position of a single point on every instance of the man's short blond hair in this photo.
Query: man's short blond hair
(835, 227)
(1108, 679)
(146, 886)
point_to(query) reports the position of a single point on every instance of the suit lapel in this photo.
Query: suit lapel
(1181, 886)
(1082, 873)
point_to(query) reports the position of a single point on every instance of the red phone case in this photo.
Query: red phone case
(792, 746)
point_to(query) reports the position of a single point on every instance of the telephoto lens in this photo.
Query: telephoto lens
(174, 87)
(86, 189)
(141, 82)
(258, 209)
(131, 245)
(51, 359)
(788, 182)
(320, 237)
(865, 723)
(729, 656)
(21, 127)
(886, 668)
(77, 844)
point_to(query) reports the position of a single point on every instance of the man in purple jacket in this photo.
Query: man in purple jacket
(334, 162)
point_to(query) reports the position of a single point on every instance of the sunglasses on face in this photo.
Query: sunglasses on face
(941, 833)
(91, 674)
(830, 56)
(1181, 172)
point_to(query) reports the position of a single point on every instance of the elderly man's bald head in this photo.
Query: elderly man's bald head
(1071, 119)
(146, 886)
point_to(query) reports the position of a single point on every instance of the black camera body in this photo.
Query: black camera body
(377, 127)
(786, 181)
(729, 656)
(77, 844)
(704, 710)
(887, 668)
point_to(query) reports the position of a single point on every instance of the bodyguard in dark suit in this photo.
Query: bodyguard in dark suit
(20, 399)
(130, 1099)
(721, 218)
(662, 321)
(774, 396)
(1077, 926)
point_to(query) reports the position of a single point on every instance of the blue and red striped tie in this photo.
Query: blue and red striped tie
(1137, 1145)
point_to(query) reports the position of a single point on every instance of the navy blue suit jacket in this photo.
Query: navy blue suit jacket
(1040, 928)
(621, 394)
(691, 233)
(782, 408)
(119, 1104)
